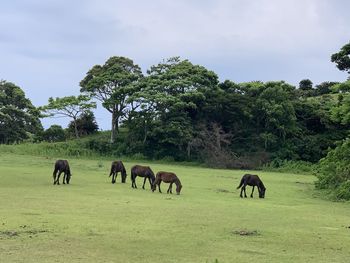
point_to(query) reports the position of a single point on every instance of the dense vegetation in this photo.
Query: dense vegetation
(181, 111)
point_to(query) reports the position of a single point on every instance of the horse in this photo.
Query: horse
(167, 177)
(252, 180)
(61, 166)
(117, 166)
(142, 171)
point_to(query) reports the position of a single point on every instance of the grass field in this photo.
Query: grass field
(92, 220)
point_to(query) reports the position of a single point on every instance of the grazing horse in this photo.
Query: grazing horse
(167, 177)
(117, 166)
(252, 180)
(61, 166)
(142, 171)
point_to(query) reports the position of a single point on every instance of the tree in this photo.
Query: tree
(86, 124)
(305, 84)
(54, 134)
(70, 106)
(324, 87)
(18, 116)
(342, 58)
(112, 84)
(169, 98)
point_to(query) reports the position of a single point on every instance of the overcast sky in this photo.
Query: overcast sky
(46, 47)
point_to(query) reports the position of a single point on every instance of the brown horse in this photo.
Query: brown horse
(61, 166)
(167, 177)
(142, 171)
(252, 180)
(117, 166)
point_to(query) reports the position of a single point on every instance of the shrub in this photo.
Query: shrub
(333, 172)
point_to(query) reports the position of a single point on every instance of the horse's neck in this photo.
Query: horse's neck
(261, 185)
(177, 181)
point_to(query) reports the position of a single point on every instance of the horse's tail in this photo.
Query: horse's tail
(241, 183)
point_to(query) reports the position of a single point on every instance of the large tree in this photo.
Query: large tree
(169, 100)
(70, 106)
(18, 116)
(112, 84)
(342, 58)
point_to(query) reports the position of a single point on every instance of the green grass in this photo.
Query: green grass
(92, 220)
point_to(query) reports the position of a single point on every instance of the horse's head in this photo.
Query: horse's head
(153, 186)
(69, 175)
(178, 189)
(262, 192)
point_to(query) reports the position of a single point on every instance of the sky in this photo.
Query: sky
(47, 47)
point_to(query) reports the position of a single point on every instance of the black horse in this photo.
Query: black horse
(252, 180)
(117, 166)
(61, 166)
(142, 171)
(167, 177)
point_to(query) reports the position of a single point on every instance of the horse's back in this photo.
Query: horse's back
(251, 179)
(118, 166)
(166, 176)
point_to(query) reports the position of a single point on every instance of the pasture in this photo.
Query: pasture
(92, 220)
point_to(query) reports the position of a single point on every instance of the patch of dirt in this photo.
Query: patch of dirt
(246, 232)
(222, 190)
(8, 233)
(14, 234)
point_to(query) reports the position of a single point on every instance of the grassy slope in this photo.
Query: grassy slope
(92, 220)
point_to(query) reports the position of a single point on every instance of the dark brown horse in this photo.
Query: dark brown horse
(167, 177)
(142, 171)
(61, 166)
(117, 166)
(252, 180)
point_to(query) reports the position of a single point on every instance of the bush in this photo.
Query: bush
(298, 167)
(333, 172)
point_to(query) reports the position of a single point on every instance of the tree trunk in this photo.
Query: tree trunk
(113, 128)
(76, 128)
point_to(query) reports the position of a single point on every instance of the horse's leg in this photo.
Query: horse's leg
(64, 177)
(134, 182)
(170, 188)
(116, 175)
(113, 178)
(251, 195)
(144, 181)
(243, 189)
(58, 178)
(150, 183)
(159, 187)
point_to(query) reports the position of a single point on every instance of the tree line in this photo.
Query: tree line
(182, 111)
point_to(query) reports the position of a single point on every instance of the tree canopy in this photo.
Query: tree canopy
(112, 84)
(342, 58)
(18, 117)
(70, 106)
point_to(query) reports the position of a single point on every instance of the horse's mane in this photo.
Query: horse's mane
(262, 185)
(177, 181)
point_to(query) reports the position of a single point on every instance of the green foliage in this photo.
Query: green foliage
(334, 172)
(18, 117)
(86, 124)
(288, 166)
(70, 106)
(342, 58)
(53, 134)
(112, 84)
